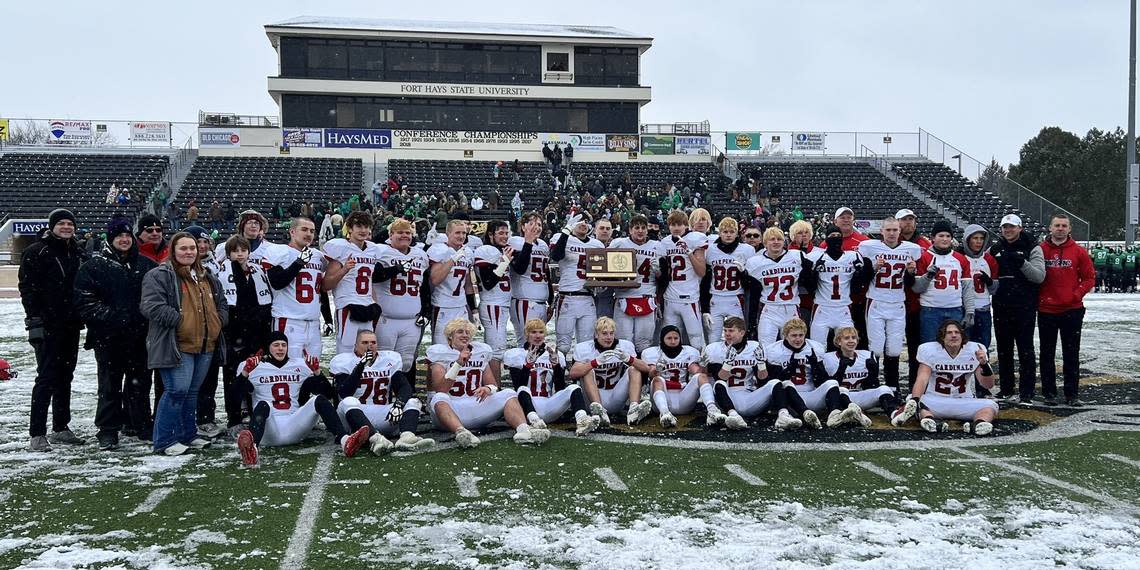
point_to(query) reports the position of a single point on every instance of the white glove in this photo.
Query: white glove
(730, 355)
(606, 356)
(708, 320)
(459, 255)
(571, 223)
(306, 255)
(501, 268)
(368, 358)
(621, 355)
(421, 321)
(452, 372)
(406, 265)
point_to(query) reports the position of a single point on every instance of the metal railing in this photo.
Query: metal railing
(105, 134)
(699, 128)
(213, 119)
(783, 143)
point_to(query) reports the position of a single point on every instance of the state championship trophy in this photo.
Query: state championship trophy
(611, 268)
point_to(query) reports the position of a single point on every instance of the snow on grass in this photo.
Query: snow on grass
(88, 550)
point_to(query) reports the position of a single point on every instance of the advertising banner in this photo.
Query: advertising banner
(218, 137)
(809, 141)
(869, 227)
(69, 132)
(28, 227)
(150, 132)
(589, 142)
(622, 143)
(302, 138)
(465, 140)
(741, 141)
(656, 145)
(3, 129)
(358, 138)
(693, 145)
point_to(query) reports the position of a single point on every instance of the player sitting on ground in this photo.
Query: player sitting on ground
(289, 396)
(464, 395)
(857, 372)
(538, 373)
(377, 394)
(944, 388)
(737, 365)
(797, 361)
(610, 373)
(677, 376)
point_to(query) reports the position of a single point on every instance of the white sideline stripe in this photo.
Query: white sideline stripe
(286, 485)
(1070, 487)
(298, 549)
(151, 501)
(745, 475)
(1121, 459)
(987, 460)
(468, 484)
(880, 471)
(610, 479)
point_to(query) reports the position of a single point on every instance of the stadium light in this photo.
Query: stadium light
(959, 157)
(1131, 183)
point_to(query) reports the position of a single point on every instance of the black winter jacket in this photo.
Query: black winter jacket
(108, 290)
(47, 279)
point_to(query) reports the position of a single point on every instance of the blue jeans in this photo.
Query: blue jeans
(174, 420)
(983, 327)
(930, 318)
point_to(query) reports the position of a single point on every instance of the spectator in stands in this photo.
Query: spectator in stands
(192, 213)
(172, 215)
(1069, 276)
(217, 216)
(151, 242)
(124, 197)
(556, 158)
(517, 204)
(108, 289)
(46, 281)
(113, 193)
(477, 203)
(326, 232)
(568, 155)
(1021, 269)
(337, 223)
(377, 188)
(90, 243)
(753, 237)
(548, 156)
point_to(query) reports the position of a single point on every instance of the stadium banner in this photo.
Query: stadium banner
(466, 140)
(589, 142)
(622, 143)
(303, 138)
(809, 141)
(69, 132)
(358, 138)
(3, 129)
(216, 138)
(28, 227)
(741, 141)
(693, 145)
(150, 132)
(555, 138)
(656, 145)
(868, 227)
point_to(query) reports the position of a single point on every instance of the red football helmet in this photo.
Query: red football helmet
(6, 372)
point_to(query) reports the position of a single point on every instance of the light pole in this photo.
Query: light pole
(959, 157)
(1130, 174)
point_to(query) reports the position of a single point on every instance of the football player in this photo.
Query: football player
(405, 300)
(838, 273)
(492, 261)
(296, 272)
(737, 365)
(635, 308)
(774, 277)
(798, 362)
(610, 373)
(452, 294)
(463, 393)
(538, 373)
(289, 397)
(349, 276)
(675, 374)
(722, 288)
(944, 284)
(531, 289)
(857, 372)
(944, 389)
(681, 259)
(375, 393)
(893, 263)
(575, 306)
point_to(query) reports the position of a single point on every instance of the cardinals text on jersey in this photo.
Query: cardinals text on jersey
(356, 286)
(572, 268)
(684, 283)
(779, 278)
(778, 354)
(489, 256)
(399, 297)
(725, 268)
(607, 374)
(301, 299)
(674, 371)
(280, 387)
(950, 376)
(887, 284)
(375, 380)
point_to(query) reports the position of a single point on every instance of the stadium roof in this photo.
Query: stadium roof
(458, 28)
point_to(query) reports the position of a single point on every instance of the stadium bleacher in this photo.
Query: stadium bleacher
(34, 184)
(961, 194)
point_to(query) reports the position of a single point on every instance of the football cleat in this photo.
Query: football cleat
(785, 421)
(983, 428)
(932, 426)
(599, 410)
(587, 424)
(714, 416)
(199, 443)
(668, 420)
(379, 444)
(466, 439)
(638, 412)
(834, 419)
(905, 412)
(851, 413)
(409, 441)
(865, 420)
(531, 436)
(247, 448)
(353, 442)
(535, 421)
(811, 420)
(734, 421)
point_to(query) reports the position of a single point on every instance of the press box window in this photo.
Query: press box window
(557, 61)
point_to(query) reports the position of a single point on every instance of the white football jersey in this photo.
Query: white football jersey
(674, 371)
(470, 376)
(500, 294)
(835, 277)
(572, 268)
(725, 268)
(945, 290)
(855, 377)
(255, 256)
(451, 292)
(535, 283)
(981, 292)
(646, 260)
(779, 278)
(887, 284)
(399, 297)
(607, 374)
(541, 376)
(280, 387)
(300, 299)
(742, 365)
(375, 380)
(356, 286)
(951, 376)
(778, 354)
(684, 283)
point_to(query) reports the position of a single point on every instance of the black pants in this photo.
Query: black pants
(859, 319)
(1069, 325)
(231, 394)
(1015, 326)
(207, 394)
(913, 339)
(55, 366)
(124, 390)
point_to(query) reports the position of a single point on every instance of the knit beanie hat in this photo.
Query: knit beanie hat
(118, 225)
(148, 220)
(58, 215)
(942, 226)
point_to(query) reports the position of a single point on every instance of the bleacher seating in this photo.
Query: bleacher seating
(34, 184)
(262, 183)
(961, 194)
(823, 187)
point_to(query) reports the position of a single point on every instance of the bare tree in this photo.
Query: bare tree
(28, 133)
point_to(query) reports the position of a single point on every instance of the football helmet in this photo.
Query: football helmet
(6, 371)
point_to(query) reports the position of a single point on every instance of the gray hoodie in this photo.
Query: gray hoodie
(969, 253)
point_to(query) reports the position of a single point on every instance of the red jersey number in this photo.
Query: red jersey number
(406, 284)
(784, 285)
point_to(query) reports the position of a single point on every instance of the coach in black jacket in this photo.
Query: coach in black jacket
(47, 275)
(108, 289)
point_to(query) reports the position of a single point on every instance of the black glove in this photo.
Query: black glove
(421, 321)
(984, 278)
(1016, 258)
(35, 328)
(396, 411)
(819, 264)
(931, 271)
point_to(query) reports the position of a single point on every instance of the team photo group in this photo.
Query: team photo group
(799, 331)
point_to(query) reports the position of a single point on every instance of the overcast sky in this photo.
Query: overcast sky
(984, 75)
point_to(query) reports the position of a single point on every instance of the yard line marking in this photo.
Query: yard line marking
(745, 475)
(880, 471)
(1070, 487)
(350, 482)
(986, 460)
(298, 549)
(468, 484)
(152, 500)
(291, 484)
(610, 479)
(1121, 459)
(451, 444)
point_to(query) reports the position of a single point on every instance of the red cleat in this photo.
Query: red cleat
(353, 443)
(247, 448)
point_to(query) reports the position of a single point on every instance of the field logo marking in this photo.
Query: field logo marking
(468, 484)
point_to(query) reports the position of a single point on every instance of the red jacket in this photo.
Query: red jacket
(1069, 276)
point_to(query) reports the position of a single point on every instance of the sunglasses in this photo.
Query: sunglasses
(153, 229)
(751, 235)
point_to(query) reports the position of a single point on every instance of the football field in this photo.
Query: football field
(1052, 488)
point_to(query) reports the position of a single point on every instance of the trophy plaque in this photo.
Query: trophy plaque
(612, 268)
